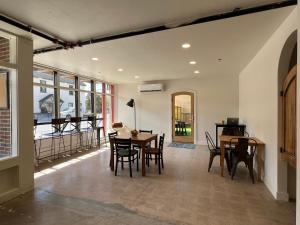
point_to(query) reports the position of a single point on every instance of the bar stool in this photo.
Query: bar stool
(91, 127)
(35, 140)
(76, 124)
(58, 126)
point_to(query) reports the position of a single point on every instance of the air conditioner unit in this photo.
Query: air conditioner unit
(150, 87)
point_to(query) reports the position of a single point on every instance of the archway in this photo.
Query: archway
(286, 173)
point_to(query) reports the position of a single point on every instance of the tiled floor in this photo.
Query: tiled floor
(185, 193)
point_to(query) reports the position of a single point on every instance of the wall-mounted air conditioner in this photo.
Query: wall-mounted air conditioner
(150, 87)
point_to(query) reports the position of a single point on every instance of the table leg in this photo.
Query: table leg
(222, 157)
(259, 161)
(143, 159)
(112, 157)
(217, 136)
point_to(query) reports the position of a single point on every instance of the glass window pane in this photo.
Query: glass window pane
(43, 76)
(85, 104)
(67, 104)
(67, 81)
(98, 102)
(108, 88)
(108, 111)
(6, 115)
(85, 85)
(99, 87)
(43, 104)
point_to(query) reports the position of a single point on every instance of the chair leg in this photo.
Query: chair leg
(250, 168)
(228, 163)
(162, 160)
(117, 160)
(211, 159)
(137, 163)
(155, 159)
(130, 169)
(233, 169)
(122, 163)
(159, 169)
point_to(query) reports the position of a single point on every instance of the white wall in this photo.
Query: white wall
(258, 99)
(216, 98)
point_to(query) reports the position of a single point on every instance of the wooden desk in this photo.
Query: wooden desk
(225, 139)
(142, 139)
(241, 127)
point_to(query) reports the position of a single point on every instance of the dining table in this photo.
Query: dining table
(259, 155)
(141, 139)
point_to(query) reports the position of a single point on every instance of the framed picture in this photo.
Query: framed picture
(4, 91)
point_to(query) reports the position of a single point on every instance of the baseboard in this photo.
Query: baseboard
(282, 196)
(9, 195)
(13, 193)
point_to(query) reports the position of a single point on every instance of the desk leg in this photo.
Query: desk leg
(259, 161)
(222, 158)
(143, 160)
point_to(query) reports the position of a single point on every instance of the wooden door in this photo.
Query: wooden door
(183, 117)
(289, 92)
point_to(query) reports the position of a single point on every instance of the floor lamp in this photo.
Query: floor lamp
(131, 104)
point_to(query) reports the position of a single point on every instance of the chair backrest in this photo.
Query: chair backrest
(210, 143)
(241, 147)
(145, 131)
(75, 119)
(111, 136)
(161, 143)
(122, 143)
(58, 125)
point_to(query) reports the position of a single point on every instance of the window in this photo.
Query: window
(99, 106)
(108, 89)
(71, 92)
(43, 99)
(85, 85)
(43, 89)
(85, 104)
(8, 133)
(99, 87)
(67, 103)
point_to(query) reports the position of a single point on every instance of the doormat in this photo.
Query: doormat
(182, 145)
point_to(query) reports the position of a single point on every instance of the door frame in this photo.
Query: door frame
(192, 139)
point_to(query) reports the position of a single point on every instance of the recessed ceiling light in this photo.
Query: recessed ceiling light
(196, 72)
(136, 77)
(220, 60)
(193, 62)
(95, 59)
(120, 70)
(186, 45)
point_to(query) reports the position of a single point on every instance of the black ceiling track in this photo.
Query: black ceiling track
(62, 44)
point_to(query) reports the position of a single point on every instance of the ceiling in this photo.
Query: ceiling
(155, 56)
(159, 56)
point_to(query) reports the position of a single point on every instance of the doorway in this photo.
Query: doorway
(183, 117)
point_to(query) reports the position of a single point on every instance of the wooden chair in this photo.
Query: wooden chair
(124, 150)
(214, 151)
(158, 153)
(240, 153)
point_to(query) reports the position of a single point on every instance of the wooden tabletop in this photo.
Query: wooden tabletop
(227, 138)
(139, 137)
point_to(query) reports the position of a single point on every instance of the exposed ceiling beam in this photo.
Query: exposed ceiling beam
(62, 44)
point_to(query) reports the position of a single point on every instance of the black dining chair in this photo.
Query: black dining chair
(111, 137)
(241, 153)
(124, 150)
(214, 151)
(158, 153)
(139, 148)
